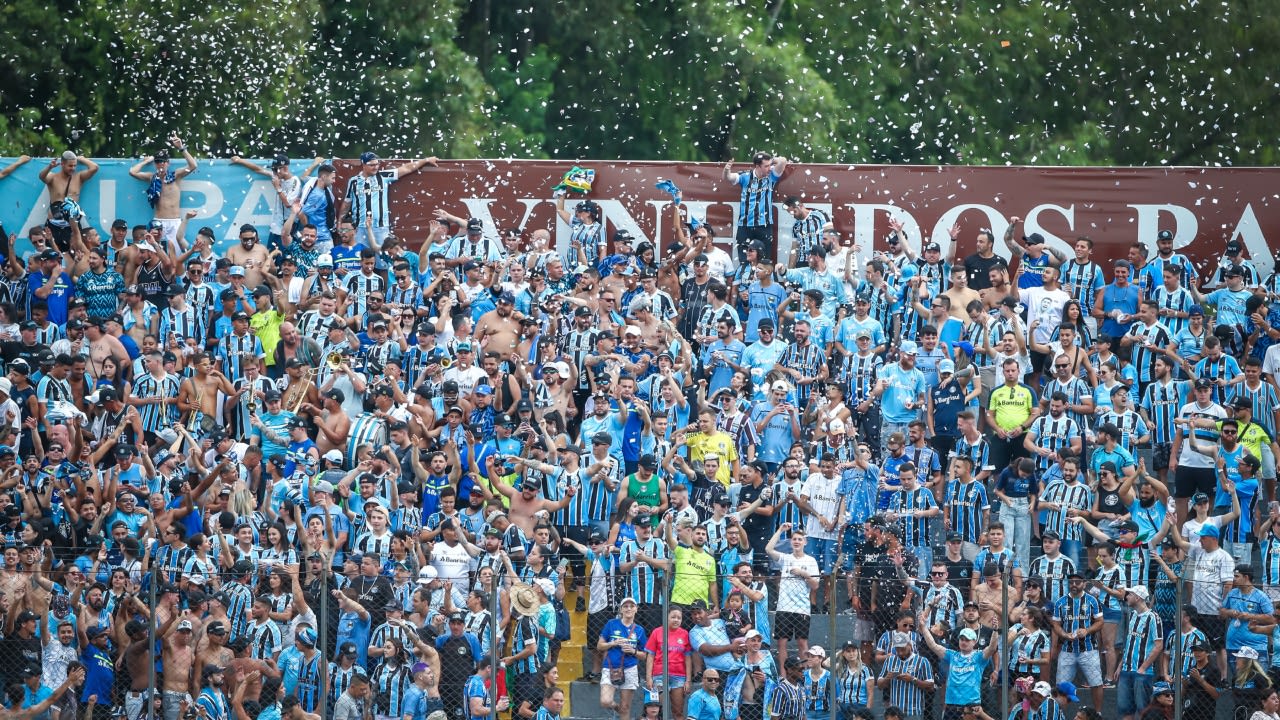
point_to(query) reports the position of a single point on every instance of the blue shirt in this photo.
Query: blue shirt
(1254, 602)
(1230, 305)
(964, 676)
(99, 673)
(776, 439)
(703, 706)
(904, 386)
(353, 628)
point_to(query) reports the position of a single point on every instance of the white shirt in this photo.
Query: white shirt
(451, 563)
(1211, 570)
(1271, 361)
(1045, 306)
(823, 496)
(1187, 456)
(793, 590)
(719, 264)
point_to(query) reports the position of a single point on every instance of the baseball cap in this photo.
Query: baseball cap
(1068, 690)
(968, 634)
(1247, 653)
(1159, 688)
(901, 639)
(1140, 591)
(1043, 689)
(1210, 531)
(946, 366)
(908, 347)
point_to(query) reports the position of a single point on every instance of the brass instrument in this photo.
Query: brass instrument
(446, 363)
(252, 406)
(334, 360)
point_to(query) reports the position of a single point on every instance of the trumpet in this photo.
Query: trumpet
(446, 363)
(252, 406)
(334, 360)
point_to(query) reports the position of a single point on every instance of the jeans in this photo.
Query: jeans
(925, 555)
(1074, 549)
(1015, 515)
(1133, 692)
(824, 551)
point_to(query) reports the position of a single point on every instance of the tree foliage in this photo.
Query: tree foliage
(847, 81)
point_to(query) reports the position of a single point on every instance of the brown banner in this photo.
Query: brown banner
(1203, 207)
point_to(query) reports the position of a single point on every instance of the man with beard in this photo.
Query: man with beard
(212, 702)
(1052, 436)
(1077, 618)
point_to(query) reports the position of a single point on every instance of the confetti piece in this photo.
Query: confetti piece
(1005, 43)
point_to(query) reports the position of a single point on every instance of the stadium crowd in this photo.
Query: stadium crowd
(323, 474)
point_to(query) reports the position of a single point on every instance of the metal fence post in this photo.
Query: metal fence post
(495, 608)
(1005, 675)
(834, 652)
(1177, 652)
(661, 581)
(152, 691)
(322, 637)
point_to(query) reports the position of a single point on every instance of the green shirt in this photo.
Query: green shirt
(695, 570)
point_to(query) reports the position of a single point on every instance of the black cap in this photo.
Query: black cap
(954, 537)
(649, 462)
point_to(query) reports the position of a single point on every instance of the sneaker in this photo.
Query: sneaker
(580, 606)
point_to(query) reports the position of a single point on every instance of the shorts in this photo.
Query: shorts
(1188, 481)
(1111, 615)
(791, 626)
(630, 678)
(674, 682)
(1087, 662)
(1160, 456)
(525, 687)
(1214, 628)
(1038, 361)
(169, 231)
(824, 551)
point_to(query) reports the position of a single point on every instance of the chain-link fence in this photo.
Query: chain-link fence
(182, 628)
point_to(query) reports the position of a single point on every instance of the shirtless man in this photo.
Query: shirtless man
(212, 649)
(960, 293)
(253, 671)
(498, 329)
(136, 655)
(103, 345)
(179, 656)
(164, 190)
(525, 503)
(65, 184)
(250, 255)
(332, 421)
(198, 395)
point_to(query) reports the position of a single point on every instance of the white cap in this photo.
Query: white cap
(427, 574)
(145, 246)
(325, 260)
(752, 633)
(779, 386)
(333, 456)
(817, 650)
(5, 385)
(835, 426)
(1247, 653)
(625, 600)
(547, 587)
(632, 330)
(901, 639)
(1043, 689)
(1140, 591)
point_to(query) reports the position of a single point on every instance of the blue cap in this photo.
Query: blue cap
(964, 345)
(946, 366)
(1068, 690)
(1209, 531)
(484, 390)
(1195, 310)
(1159, 688)
(367, 156)
(307, 636)
(908, 347)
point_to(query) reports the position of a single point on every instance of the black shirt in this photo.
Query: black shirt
(979, 268)
(959, 573)
(758, 527)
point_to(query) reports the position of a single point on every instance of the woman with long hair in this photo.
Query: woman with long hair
(622, 526)
(671, 660)
(1029, 645)
(1250, 683)
(278, 591)
(390, 681)
(855, 682)
(1161, 706)
(276, 548)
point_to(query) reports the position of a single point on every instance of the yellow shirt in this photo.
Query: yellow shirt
(716, 443)
(1011, 406)
(694, 572)
(266, 325)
